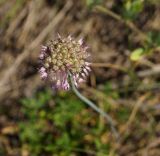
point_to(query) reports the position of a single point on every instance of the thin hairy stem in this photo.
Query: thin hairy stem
(93, 106)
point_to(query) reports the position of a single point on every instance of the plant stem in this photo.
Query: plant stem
(93, 106)
(128, 23)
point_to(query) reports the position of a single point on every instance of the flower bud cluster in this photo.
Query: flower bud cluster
(61, 57)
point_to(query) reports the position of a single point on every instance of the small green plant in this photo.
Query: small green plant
(59, 125)
(131, 8)
(154, 41)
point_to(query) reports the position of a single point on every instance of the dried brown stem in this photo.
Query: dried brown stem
(128, 23)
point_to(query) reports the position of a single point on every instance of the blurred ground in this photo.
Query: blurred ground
(124, 39)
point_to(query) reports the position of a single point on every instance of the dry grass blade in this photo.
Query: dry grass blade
(108, 65)
(155, 70)
(15, 23)
(49, 28)
(135, 110)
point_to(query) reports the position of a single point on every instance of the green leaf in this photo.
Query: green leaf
(137, 54)
(132, 8)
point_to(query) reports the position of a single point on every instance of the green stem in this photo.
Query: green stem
(93, 106)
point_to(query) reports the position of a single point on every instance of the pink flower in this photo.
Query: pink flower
(61, 57)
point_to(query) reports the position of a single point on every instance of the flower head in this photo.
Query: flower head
(61, 58)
